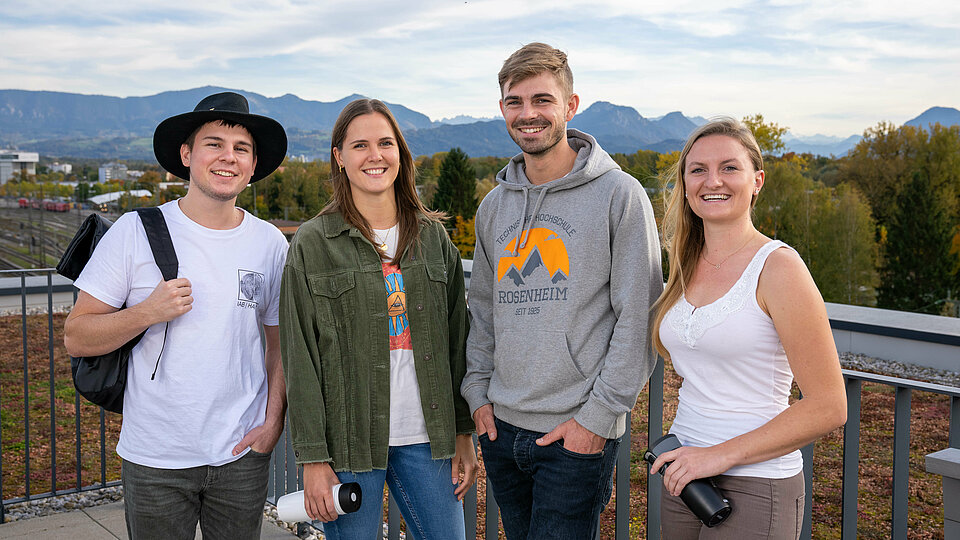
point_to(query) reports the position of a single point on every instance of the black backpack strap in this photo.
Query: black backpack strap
(163, 254)
(160, 243)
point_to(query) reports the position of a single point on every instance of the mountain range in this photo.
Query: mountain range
(59, 124)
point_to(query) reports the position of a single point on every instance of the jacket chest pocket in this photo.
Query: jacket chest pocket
(437, 281)
(335, 297)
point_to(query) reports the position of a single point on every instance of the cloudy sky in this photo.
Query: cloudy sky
(834, 67)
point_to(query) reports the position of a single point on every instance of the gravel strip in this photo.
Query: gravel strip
(860, 362)
(86, 499)
(62, 503)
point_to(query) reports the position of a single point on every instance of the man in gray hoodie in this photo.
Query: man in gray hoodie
(566, 267)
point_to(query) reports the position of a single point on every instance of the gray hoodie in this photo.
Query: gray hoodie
(563, 278)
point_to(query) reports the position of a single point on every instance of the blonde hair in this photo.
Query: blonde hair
(410, 210)
(533, 59)
(683, 229)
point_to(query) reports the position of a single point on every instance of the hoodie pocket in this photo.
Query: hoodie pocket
(536, 373)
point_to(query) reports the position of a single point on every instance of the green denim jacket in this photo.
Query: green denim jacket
(335, 344)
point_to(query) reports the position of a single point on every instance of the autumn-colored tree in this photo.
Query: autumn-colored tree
(428, 172)
(769, 135)
(641, 164)
(830, 228)
(296, 191)
(464, 236)
(666, 161)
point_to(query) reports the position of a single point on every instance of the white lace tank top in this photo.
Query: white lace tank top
(735, 373)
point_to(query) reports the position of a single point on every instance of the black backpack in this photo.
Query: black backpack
(102, 379)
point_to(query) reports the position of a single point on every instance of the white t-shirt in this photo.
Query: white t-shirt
(211, 386)
(407, 425)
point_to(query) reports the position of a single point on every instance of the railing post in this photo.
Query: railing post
(470, 504)
(851, 462)
(807, 527)
(654, 432)
(947, 464)
(103, 447)
(623, 487)
(53, 398)
(393, 518)
(26, 386)
(76, 422)
(492, 516)
(901, 462)
(955, 422)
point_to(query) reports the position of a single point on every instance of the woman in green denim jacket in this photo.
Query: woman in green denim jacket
(373, 326)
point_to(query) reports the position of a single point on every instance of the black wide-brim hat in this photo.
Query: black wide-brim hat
(268, 134)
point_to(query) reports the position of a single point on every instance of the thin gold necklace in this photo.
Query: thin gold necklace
(719, 264)
(381, 241)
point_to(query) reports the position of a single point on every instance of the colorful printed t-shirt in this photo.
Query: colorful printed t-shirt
(407, 425)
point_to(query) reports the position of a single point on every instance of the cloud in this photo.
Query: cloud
(802, 63)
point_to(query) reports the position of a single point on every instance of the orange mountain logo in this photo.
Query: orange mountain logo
(544, 249)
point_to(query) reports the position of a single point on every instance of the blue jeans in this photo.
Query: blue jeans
(546, 491)
(423, 491)
(167, 503)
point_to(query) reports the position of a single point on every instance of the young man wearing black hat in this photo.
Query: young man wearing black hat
(204, 403)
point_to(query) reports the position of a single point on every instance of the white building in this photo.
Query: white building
(64, 168)
(112, 171)
(15, 162)
(110, 199)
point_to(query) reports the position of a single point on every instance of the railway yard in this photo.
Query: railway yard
(34, 237)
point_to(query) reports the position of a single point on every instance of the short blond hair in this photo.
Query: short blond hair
(533, 59)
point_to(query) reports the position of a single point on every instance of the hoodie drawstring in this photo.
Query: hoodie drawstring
(523, 219)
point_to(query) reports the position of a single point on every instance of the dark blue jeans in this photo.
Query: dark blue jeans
(547, 491)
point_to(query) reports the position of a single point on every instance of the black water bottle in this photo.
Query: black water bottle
(701, 496)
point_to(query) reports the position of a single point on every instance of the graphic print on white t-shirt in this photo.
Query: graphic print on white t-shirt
(407, 424)
(250, 288)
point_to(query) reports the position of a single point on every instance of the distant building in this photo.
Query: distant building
(112, 171)
(109, 200)
(64, 168)
(15, 162)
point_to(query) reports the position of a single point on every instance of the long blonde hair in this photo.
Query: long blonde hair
(410, 210)
(682, 229)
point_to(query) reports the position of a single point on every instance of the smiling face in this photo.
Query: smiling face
(221, 160)
(369, 156)
(536, 111)
(720, 180)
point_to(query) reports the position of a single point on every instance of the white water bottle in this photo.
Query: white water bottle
(346, 499)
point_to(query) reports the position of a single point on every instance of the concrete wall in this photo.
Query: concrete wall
(911, 338)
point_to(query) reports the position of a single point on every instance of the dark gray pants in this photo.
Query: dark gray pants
(763, 508)
(165, 504)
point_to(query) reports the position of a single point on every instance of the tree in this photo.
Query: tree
(296, 191)
(768, 134)
(844, 252)
(918, 263)
(666, 161)
(830, 228)
(463, 236)
(641, 165)
(456, 186)
(881, 164)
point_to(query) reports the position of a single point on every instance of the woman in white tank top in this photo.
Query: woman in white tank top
(740, 318)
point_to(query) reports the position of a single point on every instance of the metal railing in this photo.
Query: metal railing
(285, 475)
(81, 483)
